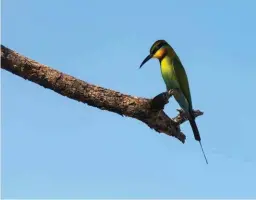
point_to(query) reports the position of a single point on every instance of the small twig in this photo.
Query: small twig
(182, 116)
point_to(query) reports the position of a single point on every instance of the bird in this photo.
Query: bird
(175, 78)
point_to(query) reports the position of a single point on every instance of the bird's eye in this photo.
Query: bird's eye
(158, 46)
(161, 45)
(153, 50)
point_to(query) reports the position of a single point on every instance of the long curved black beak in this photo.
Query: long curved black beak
(146, 60)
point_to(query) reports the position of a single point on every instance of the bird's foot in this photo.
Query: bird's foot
(172, 92)
(182, 113)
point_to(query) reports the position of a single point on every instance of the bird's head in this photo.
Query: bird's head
(158, 50)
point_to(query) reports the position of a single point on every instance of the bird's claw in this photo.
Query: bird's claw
(180, 110)
(182, 113)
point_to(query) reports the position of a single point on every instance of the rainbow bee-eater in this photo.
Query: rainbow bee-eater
(175, 78)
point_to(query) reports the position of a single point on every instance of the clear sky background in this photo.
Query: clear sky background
(54, 147)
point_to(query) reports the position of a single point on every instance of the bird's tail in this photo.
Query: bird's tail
(195, 129)
(196, 133)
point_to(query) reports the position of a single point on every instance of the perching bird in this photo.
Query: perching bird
(175, 77)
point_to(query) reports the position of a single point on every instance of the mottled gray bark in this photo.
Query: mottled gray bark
(102, 98)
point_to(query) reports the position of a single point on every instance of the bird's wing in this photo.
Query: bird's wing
(182, 79)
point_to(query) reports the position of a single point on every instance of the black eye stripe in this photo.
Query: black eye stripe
(157, 47)
(161, 45)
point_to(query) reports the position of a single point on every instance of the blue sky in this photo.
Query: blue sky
(54, 147)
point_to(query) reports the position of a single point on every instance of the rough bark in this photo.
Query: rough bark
(93, 95)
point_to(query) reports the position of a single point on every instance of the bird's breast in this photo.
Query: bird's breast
(168, 73)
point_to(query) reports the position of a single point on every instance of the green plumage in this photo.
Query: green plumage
(173, 73)
(175, 77)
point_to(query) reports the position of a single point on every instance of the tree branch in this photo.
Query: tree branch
(148, 111)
